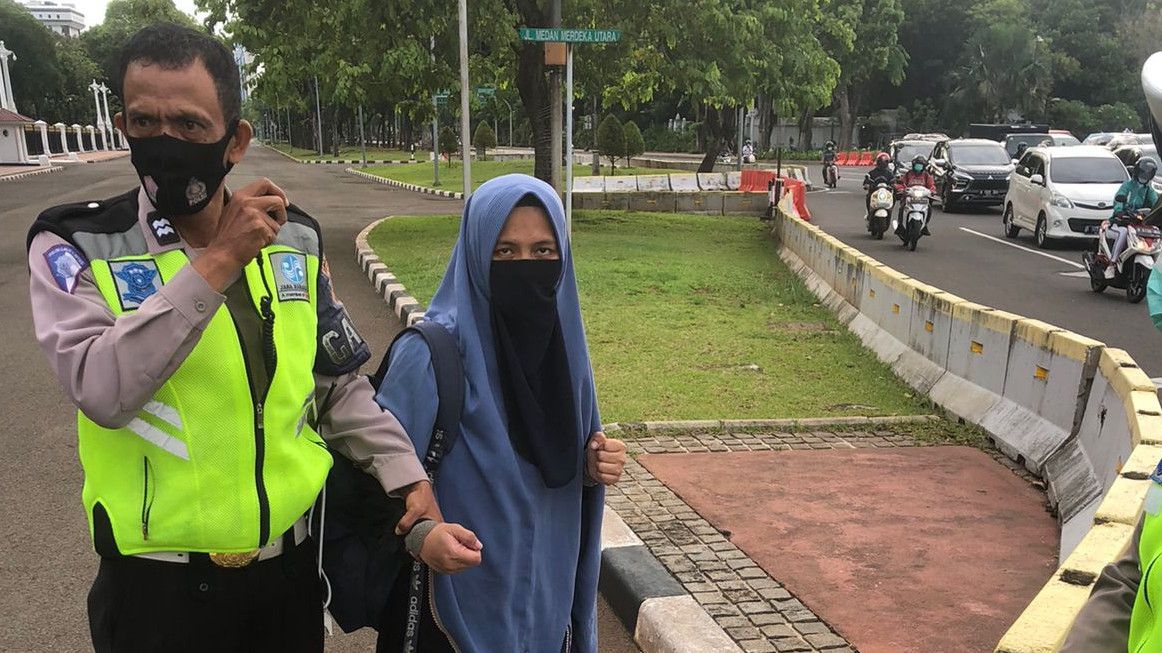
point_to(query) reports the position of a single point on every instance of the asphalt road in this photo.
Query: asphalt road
(46, 560)
(968, 255)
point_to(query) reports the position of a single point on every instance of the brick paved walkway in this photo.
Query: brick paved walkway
(758, 611)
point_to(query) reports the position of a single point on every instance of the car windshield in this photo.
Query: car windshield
(905, 152)
(979, 155)
(1087, 170)
(1065, 139)
(1014, 140)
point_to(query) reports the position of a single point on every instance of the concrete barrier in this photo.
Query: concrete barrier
(700, 202)
(749, 203)
(592, 184)
(653, 183)
(684, 183)
(616, 184)
(1081, 416)
(650, 201)
(733, 180)
(712, 181)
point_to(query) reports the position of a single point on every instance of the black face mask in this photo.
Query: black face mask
(180, 177)
(534, 367)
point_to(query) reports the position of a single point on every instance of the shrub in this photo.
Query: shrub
(449, 142)
(659, 138)
(634, 144)
(611, 140)
(483, 139)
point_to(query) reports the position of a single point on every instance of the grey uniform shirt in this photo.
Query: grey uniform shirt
(111, 366)
(1103, 625)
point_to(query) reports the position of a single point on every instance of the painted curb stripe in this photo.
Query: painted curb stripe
(677, 624)
(615, 533)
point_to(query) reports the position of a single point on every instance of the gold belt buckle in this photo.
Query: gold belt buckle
(234, 560)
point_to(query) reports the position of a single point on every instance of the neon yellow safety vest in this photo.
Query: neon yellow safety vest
(1145, 636)
(206, 465)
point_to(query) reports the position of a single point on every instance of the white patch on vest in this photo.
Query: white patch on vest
(159, 438)
(290, 276)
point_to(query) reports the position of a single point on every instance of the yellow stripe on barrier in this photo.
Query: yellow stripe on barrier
(1142, 461)
(989, 318)
(1034, 332)
(1102, 544)
(1122, 373)
(1123, 503)
(1042, 627)
(1145, 416)
(1073, 345)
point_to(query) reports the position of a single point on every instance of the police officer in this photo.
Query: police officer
(198, 333)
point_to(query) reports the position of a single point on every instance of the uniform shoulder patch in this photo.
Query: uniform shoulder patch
(136, 281)
(290, 275)
(65, 263)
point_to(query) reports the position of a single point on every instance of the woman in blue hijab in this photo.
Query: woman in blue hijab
(527, 474)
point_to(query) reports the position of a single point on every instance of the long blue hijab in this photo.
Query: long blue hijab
(537, 584)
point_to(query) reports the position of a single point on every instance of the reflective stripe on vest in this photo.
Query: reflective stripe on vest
(204, 466)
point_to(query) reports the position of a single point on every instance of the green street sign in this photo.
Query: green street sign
(442, 97)
(486, 91)
(564, 35)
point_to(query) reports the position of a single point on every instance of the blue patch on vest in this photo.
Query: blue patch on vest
(136, 281)
(290, 276)
(66, 264)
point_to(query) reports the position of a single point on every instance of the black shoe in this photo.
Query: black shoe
(925, 232)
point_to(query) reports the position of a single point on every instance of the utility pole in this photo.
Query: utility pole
(593, 138)
(435, 126)
(465, 118)
(362, 143)
(555, 108)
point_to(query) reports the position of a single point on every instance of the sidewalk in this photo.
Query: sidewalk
(836, 541)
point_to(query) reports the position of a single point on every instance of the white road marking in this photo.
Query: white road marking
(1080, 274)
(1020, 247)
(1157, 382)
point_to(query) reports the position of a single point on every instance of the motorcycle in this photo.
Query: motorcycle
(917, 207)
(830, 174)
(880, 210)
(1131, 271)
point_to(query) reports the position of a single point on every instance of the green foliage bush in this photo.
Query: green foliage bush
(634, 144)
(658, 138)
(449, 143)
(1081, 118)
(483, 139)
(611, 139)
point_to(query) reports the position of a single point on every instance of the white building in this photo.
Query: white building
(245, 61)
(60, 17)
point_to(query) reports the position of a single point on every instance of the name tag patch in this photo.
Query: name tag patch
(290, 276)
(66, 264)
(136, 281)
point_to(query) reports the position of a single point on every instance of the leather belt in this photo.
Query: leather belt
(276, 548)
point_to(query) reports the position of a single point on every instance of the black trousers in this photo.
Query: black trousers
(146, 606)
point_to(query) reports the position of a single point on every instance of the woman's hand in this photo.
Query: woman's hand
(604, 459)
(451, 548)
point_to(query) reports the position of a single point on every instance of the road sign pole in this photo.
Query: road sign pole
(435, 127)
(465, 136)
(362, 142)
(569, 140)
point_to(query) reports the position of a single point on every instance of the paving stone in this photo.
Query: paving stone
(752, 572)
(828, 639)
(734, 622)
(740, 596)
(779, 631)
(800, 615)
(722, 610)
(791, 644)
(763, 583)
(775, 594)
(707, 598)
(812, 628)
(757, 646)
(754, 607)
(744, 633)
(690, 577)
(721, 575)
(695, 588)
(789, 605)
(767, 619)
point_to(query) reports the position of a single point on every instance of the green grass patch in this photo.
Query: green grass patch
(346, 153)
(452, 175)
(688, 317)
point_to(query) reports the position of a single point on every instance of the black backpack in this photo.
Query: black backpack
(362, 556)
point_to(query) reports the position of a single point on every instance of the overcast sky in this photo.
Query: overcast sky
(94, 10)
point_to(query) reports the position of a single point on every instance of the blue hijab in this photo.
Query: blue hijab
(542, 547)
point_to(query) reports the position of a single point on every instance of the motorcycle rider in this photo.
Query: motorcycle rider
(917, 175)
(748, 152)
(1139, 194)
(829, 155)
(881, 174)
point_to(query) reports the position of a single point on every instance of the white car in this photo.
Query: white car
(1062, 193)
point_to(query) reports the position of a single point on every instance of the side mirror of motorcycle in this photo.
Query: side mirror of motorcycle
(1037, 179)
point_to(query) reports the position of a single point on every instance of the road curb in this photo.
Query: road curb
(25, 175)
(648, 600)
(337, 161)
(405, 186)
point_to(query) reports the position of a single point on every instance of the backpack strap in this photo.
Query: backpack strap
(449, 371)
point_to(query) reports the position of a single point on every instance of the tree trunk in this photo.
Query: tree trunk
(764, 120)
(844, 109)
(534, 94)
(715, 125)
(806, 124)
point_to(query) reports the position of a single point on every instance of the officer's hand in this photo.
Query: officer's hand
(604, 459)
(250, 221)
(421, 503)
(451, 548)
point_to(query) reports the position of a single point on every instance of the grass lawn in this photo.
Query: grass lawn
(688, 317)
(345, 153)
(452, 177)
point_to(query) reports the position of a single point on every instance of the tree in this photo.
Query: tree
(123, 18)
(634, 143)
(35, 72)
(483, 139)
(611, 140)
(449, 142)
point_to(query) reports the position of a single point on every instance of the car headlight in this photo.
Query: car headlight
(1061, 201)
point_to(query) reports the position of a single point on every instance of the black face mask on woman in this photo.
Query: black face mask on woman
(180, 177)
(534, 367)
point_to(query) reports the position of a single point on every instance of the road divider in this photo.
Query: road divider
(1081, 416)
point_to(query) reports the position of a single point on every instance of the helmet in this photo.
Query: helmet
(829, 145)
(883, 159)
(919, 163)
(1152, 85)
(1145, 169)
